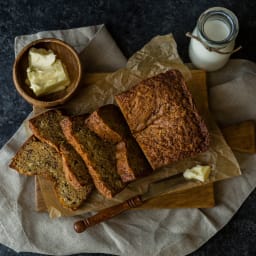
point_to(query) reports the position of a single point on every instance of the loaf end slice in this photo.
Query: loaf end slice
(98, 155)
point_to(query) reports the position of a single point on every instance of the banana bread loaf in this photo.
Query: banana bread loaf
(98, 155)
(109, 124)
(38, 158)
(163, 119)
(46, 127)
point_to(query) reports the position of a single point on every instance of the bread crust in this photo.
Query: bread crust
(38, 158)
(109, 124)
(97, 154)
(46, 127)
(24, 158)
(163, 119)
(96, 123)
(130, 160)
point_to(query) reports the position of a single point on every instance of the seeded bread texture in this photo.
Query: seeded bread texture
(98, 155)
(46, 127)
(38, 158)
(163, 119)
(46, 162)
(109, 124)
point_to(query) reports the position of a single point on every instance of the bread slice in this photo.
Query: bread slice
(131, 162)
(108, 123)
(38, 158)
(46, 127)
(98, 155)
(163, 119)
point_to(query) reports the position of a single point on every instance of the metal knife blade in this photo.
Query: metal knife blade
(162, 187)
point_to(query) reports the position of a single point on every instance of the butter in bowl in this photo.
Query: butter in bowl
(47, 72)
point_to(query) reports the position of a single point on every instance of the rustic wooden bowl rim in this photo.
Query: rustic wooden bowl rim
(51, 103)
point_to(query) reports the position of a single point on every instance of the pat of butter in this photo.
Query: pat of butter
(45, 73)
(198, 172)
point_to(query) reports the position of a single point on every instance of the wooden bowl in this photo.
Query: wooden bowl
(68, 57)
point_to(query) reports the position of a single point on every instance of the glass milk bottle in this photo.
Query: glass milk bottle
(213, 39)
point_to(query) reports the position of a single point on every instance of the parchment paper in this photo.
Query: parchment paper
(159, 55)
(147, 232)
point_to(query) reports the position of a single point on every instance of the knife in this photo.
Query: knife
(155, 189)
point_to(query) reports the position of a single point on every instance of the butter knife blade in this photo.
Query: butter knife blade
(162, 187)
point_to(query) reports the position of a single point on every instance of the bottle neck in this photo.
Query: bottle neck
(217, 27)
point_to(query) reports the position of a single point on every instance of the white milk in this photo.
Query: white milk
(216, 31)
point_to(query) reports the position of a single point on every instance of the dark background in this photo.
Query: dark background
(132, 24)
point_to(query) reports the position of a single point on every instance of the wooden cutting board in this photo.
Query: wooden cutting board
(199, 197)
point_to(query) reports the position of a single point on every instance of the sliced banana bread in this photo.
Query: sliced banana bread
(38, 158)
(69, 197)
(98, 155)
(163, 119)
(108, 123)
(131, 162)
(46, 127)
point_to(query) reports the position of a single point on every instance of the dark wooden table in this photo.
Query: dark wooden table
(132, 24)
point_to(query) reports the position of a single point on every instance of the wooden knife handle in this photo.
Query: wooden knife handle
(108, 213)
